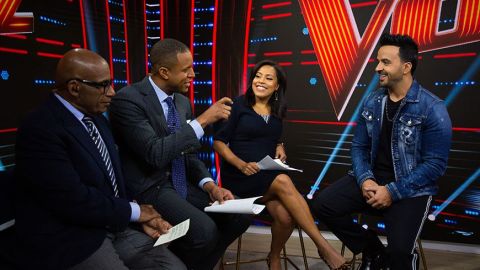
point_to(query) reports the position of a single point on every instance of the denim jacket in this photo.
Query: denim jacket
(421, 138)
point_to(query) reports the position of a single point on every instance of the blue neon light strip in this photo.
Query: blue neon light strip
(455, 194)
(371, 86)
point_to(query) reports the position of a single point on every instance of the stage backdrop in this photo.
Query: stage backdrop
(328, 49)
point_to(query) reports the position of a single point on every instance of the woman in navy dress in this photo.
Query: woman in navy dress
(253, 131)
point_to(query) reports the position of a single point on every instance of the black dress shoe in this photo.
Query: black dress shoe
(376, 261)
(374, 256)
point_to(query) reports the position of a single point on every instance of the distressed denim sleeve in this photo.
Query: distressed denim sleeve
(361, 147)
(435, 146)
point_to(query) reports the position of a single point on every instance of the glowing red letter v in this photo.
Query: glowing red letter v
(341, 53)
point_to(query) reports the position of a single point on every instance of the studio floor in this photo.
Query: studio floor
(255, 245)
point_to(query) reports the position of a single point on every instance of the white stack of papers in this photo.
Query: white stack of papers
(240, 206)
(175, 232)
(267, 163)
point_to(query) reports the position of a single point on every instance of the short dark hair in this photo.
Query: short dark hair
(164, 53)
(408, 47)
(279, 106)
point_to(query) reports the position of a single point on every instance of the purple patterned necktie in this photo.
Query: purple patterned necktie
(178, 164)
(102, 149)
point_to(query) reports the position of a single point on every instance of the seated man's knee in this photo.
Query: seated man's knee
(204, 236)
(319, 206)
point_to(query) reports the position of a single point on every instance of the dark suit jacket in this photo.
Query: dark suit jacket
(145, 145)
(65, 203)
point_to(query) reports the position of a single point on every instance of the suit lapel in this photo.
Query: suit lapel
(78, 131)
(153, 105)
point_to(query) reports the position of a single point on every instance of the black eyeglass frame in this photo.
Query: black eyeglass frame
(105, 84)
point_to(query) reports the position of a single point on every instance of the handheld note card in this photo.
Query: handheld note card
(268, 163)
(240, 206)
(175, 232)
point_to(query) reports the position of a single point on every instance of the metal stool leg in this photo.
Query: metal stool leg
(302, 245)
(422, 255)
(221, 267)
(239, 249)
(285, 259)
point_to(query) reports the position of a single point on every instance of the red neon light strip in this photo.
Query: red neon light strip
(217, 165)
(109, 31)
(276, 16)
(245, 46)
(127, 70)
(447, 226)
(50, 41)
(277, 53)
(457, 215)
(214, 82)
(214, 79)
(454, 55)
(82, 17)
(323, 122)
(214, 53)
(145, 34)
(307, 52)
(74, 45)
(192, 21)
(466, 129)
(306, 63)
(250, 65)
(51, 55)
(354, 124)
(14, 36)
(364, 4)
(7, 130)
(162, 19)
(452, 203)
(10, 50)
(274, 5)
(284, 64)
(305, 111)
(251, 55)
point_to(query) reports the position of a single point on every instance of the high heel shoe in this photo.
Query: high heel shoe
(344, 266)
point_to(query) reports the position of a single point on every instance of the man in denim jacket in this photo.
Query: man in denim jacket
(399, 150)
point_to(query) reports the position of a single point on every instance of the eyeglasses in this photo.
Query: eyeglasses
(99, 85)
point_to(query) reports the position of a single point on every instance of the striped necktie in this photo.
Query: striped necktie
(102, 149)
(178, 164)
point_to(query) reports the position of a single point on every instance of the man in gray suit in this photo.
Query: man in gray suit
(157, 137)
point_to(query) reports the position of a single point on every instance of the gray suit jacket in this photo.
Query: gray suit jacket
(145, 145)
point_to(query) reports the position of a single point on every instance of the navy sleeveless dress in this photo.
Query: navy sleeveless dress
(251, 139)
